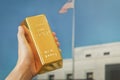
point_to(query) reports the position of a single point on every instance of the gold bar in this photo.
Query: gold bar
(40, 37)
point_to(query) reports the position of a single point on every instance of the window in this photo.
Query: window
(51, 77)
(112, 72)
(106, 53)
(88, 55)
(69, 76)
(90, 76)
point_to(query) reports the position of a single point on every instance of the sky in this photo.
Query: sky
(96, 22)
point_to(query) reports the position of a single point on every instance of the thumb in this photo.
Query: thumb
(21, 37)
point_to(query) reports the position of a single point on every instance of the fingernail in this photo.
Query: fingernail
(56, 38)
(19, 27)
(58, 44)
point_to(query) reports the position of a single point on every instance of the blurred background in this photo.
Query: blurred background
(96, 22)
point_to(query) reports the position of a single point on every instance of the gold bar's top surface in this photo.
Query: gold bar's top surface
(43, 39)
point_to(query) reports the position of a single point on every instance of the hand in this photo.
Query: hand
(27, 65)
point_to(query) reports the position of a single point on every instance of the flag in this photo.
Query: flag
(68, 5)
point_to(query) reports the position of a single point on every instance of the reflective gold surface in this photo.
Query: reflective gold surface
(40, 37)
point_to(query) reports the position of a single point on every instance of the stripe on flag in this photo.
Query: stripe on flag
(69, 4)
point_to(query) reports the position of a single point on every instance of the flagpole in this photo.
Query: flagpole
(73, 41)
(71, 4)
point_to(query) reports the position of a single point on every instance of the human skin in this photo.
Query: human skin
(27, 65)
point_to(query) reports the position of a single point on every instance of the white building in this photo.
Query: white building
(100, 62)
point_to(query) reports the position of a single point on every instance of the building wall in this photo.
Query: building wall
(97, 61)
(97, 57)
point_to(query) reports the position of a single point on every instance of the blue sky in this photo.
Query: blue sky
(97, 22)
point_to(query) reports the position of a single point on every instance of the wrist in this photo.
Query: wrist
(24, 72)
(20, 73)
